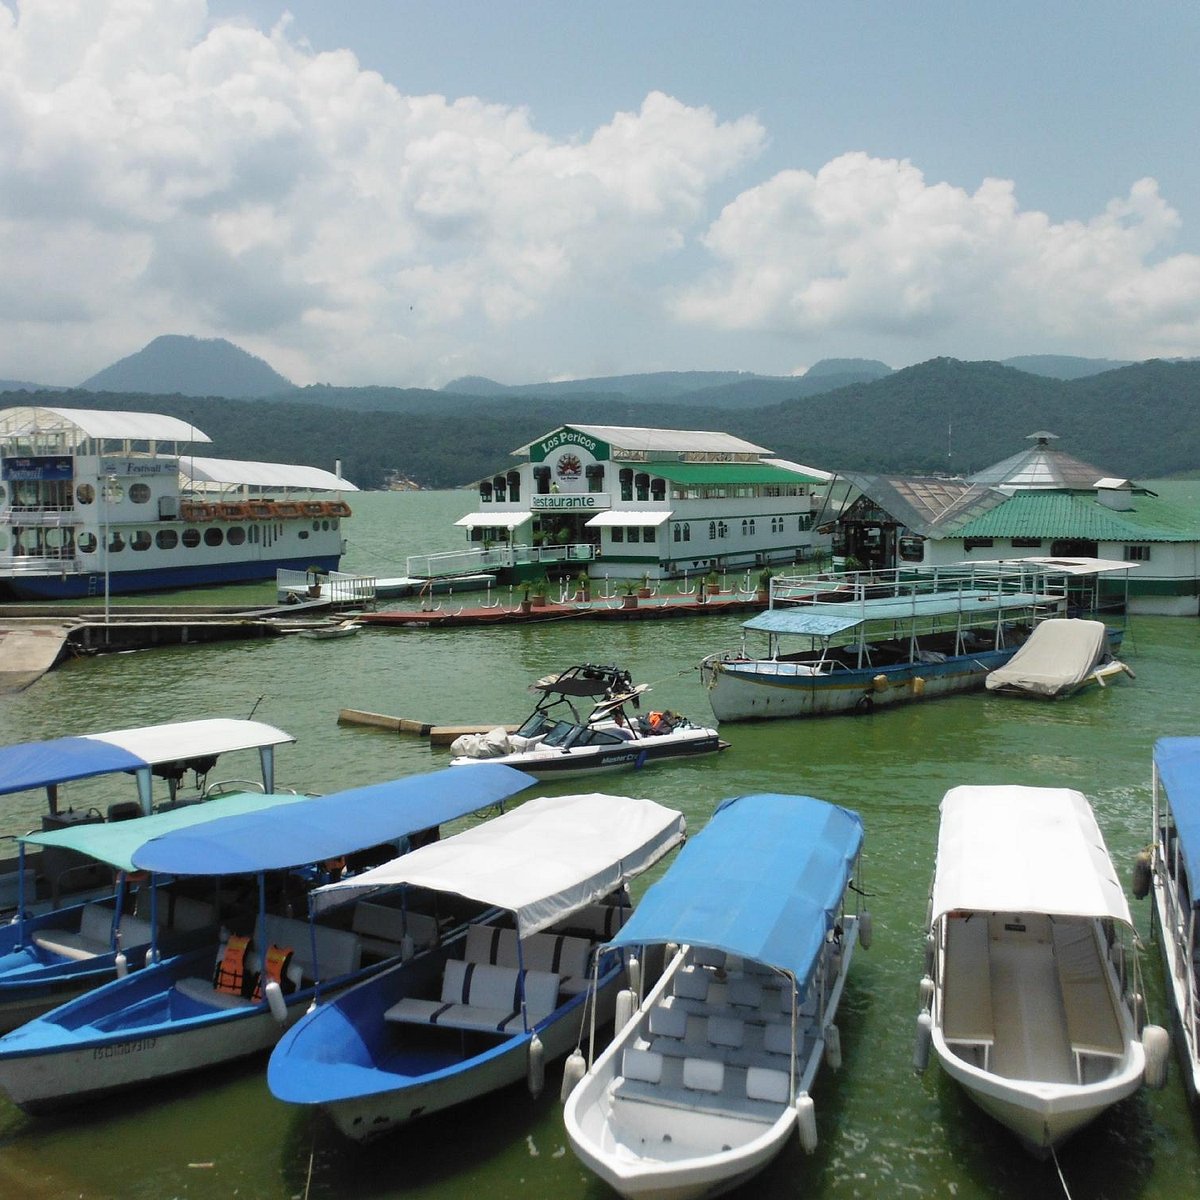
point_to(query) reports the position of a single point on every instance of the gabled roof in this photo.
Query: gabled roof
(1041, 466)
(928, 505)
(1073, 514)
(623, 437)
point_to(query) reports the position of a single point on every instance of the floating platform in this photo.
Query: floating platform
(657, 608)
(438, 735)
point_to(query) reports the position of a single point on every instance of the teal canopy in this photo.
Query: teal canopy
(764, 880)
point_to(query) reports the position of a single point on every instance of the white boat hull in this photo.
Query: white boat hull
(1180, 976)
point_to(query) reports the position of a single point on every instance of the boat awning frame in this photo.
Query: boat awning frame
(1021, 849)
(1177, 769)
(542, 861)
(764, 880)
(330, 826)
(495, 520)
(627, 517)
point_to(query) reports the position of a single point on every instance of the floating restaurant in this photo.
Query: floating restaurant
(657, 502)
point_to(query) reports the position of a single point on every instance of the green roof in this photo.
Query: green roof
(1060, 514)
(718, 473)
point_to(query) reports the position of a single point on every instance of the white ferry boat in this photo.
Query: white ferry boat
(95, 502)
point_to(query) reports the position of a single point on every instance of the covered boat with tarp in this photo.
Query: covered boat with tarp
(492, 1004)
(1032, 997)
(1062, 656)
(232, 998)
(1175, 878)
(711, 1075)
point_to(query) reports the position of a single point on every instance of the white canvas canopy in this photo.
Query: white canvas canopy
(1059, 655)
(1024, 850)
(541, 861)
(226, 472)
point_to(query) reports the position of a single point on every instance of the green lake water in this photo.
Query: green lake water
(884, 1130)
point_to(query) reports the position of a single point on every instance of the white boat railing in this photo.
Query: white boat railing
(493, 558)
(337, 587)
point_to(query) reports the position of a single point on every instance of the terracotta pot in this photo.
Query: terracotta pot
(629, 602)
(645, 593)
(538, 602)
(713, 589)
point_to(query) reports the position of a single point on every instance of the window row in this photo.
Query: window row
(168, 539)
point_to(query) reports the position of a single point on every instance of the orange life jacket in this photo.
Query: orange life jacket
(275, 970)
(230, 973)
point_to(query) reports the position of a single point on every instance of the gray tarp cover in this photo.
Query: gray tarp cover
(1060, 654)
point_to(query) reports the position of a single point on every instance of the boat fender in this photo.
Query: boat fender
(275, 1001)
(930, 946)
(406, 947)
(806, 1122)
(918, 686)
(624, 1008)
(924, 1041)
(574, 1070)
(537, 1066)
(1141, 874)
(633, 969)
(833, 1048)
(926, 993)
(122, 964)
(864, 705)
(1156, 1043)
(866, 929)
(669, 951)
(879, 683)
(1137, 1006)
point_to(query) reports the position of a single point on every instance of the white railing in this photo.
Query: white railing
(492, 558)
(337, 587)
(38, 517)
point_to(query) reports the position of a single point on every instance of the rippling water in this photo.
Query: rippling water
(884, 1131)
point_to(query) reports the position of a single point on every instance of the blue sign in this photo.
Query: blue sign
(55, 466)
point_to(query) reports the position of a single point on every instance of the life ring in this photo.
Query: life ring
(336, 508)
(261, 510)
(233, 512)
(864, 705)
(192, 511)
(312, 508)
(287, 508)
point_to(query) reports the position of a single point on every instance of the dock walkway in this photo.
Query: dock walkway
(28, 650)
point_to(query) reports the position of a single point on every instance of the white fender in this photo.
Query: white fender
(633, 969)
(574, 1070)
(833, 1047)
(537, 1066)
(866, 929)
(924, 1041)
(406, 947)
(1137, 1005)
(806, 1122)
(626, 1003)
(930, 947)
(926, 993)
(122, 964)
(275, 1001)
(1156, 1043)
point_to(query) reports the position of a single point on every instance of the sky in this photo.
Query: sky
(401, 193)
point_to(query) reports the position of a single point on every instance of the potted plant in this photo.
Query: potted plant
(644, 589)
(852, 564)
(764, 584)
(630, 588)
(314, 582)
(583, 587)
(540, 589)
(712, 583)
(526, 603)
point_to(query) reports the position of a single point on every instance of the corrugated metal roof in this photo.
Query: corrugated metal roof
(730, 473)
(99, 423)
(1065, 514)
(665, 441)
(259, 474)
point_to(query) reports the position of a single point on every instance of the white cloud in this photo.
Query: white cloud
(220, 180)
(867, 248)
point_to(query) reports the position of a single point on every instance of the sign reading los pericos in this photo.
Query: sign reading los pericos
(571, 502)
(542, 450)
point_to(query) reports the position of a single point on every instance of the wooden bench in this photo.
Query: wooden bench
(1093, 1027)
(560, 954)
(967, 986)
(482, 997)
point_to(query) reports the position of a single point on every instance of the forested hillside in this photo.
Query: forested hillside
(1141, 421)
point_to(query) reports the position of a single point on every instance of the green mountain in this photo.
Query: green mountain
(1064, 366)
(190, 367)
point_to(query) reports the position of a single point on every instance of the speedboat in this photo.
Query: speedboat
(557, 740)
(491, 1005)
(853, 643)
(234, 996)
(711, 1076)
(1174, 869)
(1063, 655)
(1032, 996)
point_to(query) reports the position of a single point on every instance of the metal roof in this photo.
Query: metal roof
(632, 438)
(928, 505)
(1065, 514)
(728, 473)
(229, 471)
(99, 423)
(1041, 466)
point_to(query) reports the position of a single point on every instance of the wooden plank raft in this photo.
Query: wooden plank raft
(438, 735)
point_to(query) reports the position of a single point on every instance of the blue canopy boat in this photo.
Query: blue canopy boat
(170, 1017)
(701, 1087)
(489, 1006)
(1175, 875)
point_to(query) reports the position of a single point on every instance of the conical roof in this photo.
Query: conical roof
(1041, 466)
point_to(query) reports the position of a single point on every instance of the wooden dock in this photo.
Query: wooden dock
(438, 735)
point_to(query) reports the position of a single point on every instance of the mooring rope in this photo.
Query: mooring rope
(1061, 1177)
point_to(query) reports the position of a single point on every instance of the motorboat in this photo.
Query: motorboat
(235, 995)
(490, 1006)
(1174, 867)
(711, 1076)
(1032, 997)
(1062, 656)
(870, 640)
(565, 737)
(49, 877)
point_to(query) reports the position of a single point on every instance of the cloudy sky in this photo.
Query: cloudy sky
(392, 192)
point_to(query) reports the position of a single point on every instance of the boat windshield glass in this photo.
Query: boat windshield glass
(562, 734)
(535, 724)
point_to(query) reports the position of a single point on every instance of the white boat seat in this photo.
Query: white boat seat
(967, 986)
(94, 936)
(668, 1020)
(726, 1031)
(600, 920)
(479, 996)
(762, 1083)
(646, 1065)
(745, 991)
(381, 928)
(1092, 1023)
(339, 951)
(203, 991)
(691, 984)
(703, 1074)
(777, 1038)
(183, 913)
(559, 954)
(706, 956)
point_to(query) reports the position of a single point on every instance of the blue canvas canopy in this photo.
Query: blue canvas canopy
(1177, 761)
(330, 826)
(764, 879)
(42, 764)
